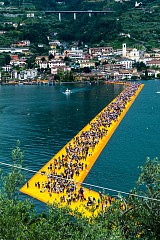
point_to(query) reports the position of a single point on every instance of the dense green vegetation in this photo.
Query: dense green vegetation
(139, 220)
(141, 23)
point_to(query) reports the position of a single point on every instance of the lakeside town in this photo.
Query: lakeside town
(63, 64)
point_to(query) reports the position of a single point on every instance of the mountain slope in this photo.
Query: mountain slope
(140, 23)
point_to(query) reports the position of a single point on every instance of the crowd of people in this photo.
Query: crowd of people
(65, 171)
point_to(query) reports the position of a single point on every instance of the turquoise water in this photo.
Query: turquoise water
(137, 137)
(44, 119)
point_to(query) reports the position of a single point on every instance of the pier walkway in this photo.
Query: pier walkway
(60, 180)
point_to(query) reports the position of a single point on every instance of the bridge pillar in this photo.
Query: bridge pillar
(59, 14)
(90, 14)
(74, 16)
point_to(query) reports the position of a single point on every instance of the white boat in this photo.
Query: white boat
(67, 91)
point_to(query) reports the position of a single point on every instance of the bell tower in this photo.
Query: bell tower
(124, 50)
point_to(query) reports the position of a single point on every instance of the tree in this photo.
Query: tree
(140, 66)
(137, 217)
(7, 59)
(57, 77)
(4, 59)
(158, 75)
(12, 182)
(30, 62)
(148, 185)
(127, 218)
(86, 70)
(51, 56)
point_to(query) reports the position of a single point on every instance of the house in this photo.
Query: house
(60, 2)
(16, 61)
(19, 62)
(40, 45)
(99, 51)
(28, 74)
(7, 68)
(54, 44)
(43, 64)
(15, 50)
(89, 64)
(82, 60)
(74, 53)
(125, 73)
(153, 63)
(56, 63)
(151, 72)
(54, 70)
(40, 59)
(126, 62)
(2, 32)
(88, 76)
(156, 56)
(152, 56)
(138, 4)
(118, 52)
(52, 51)
(156, 50)
(14, 57)
(125, 35)
(14, 74)
(120, 74)
(30, 15)
(117, 66)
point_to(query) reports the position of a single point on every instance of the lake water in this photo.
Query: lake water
(44, 119)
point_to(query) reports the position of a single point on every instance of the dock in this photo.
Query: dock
(61, 179)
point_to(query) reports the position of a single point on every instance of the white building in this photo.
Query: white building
(30, 15)
(100, 51)
(56, 63)
(14, 50)
(126, 62)
(54, 70)
(75, 53)
(52, 51)
(14, 74)
(87, 64)
(43, 64)
(27, 74)
(7, 68)
(132, 54)
(125, 74)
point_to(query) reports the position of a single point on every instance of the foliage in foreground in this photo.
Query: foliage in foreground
(140, 219)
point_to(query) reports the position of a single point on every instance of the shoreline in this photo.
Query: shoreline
(41, 176)
(53, 83)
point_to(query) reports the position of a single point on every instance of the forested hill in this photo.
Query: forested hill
(134, 25)
(118, 5)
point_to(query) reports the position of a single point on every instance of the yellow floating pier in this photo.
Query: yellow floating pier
(61, 178)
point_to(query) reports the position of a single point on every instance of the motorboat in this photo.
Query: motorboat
(67, 91)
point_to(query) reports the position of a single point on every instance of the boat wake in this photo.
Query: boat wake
(74, 90)
(77, 90)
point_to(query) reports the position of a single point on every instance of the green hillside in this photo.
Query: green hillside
(141, 23)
